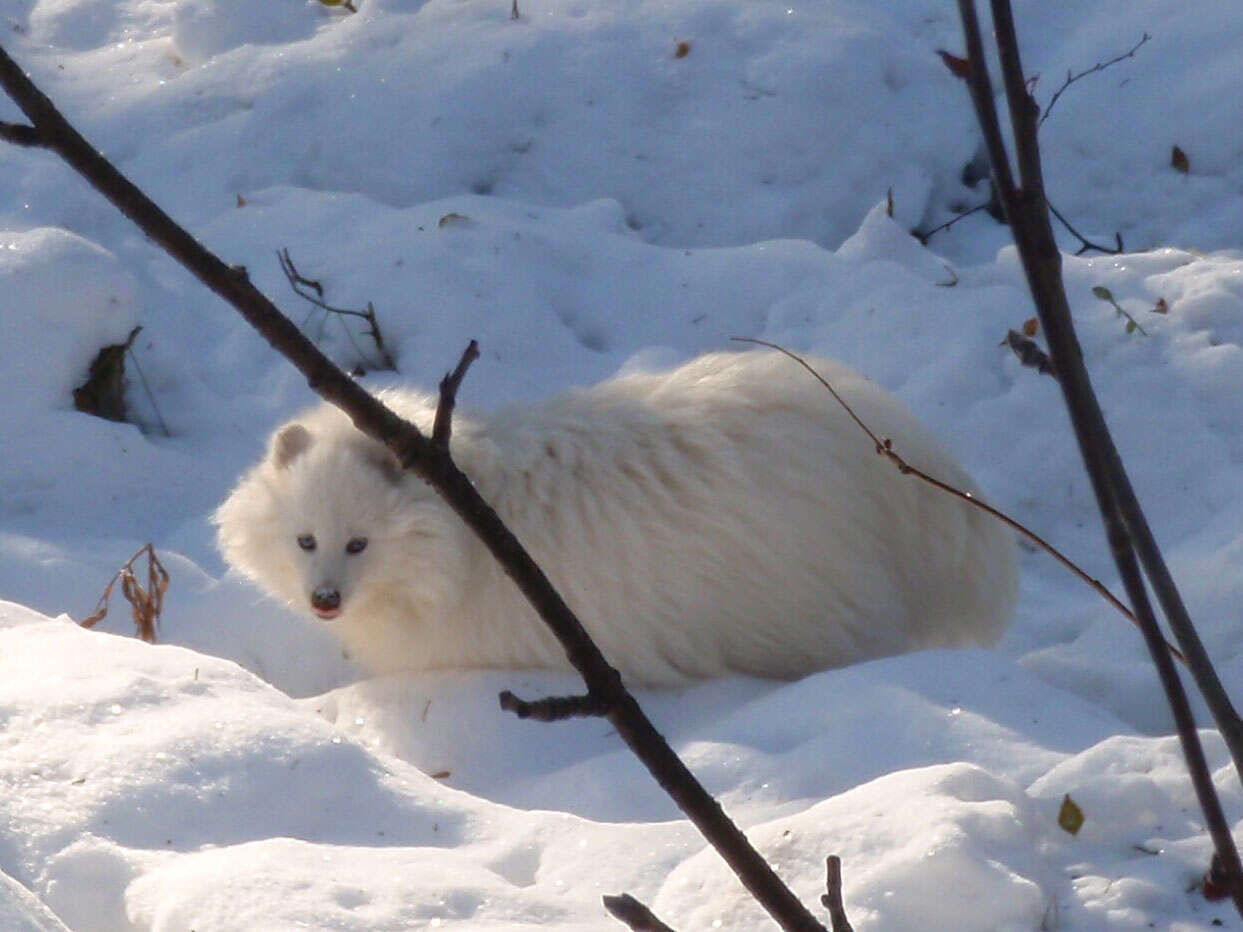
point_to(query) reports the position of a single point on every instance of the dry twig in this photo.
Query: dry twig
(302, 287)
(832, 900)
(443, 424)
(625, 908)
(1099, 66)
(146, 602)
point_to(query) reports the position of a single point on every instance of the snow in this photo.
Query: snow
(582, 199)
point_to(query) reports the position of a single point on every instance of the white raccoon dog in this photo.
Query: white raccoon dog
(723, 517)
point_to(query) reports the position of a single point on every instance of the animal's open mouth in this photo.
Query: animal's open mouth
(326, 613)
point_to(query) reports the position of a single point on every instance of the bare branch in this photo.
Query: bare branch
(625, 908)
(1085, 243)
(300, 284)
(417, 452)
(924, 237)
(832, 901)
(555, 708)
(1099, 66)
(443, 424)
(1126, 528)
(21, 135)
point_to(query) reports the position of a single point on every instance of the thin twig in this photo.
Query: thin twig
(146, 387)
(924, 237)
(296, 278)
(1085, 243)
(1099, 66)
(625, 908)
(300, 285)
(415, 451)
(1104, 294)
(832, 900)
(555, 708)
(884, 447)
(443, 424)
(21, 135)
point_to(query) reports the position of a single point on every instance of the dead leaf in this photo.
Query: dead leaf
(1030, 326)
(1070, 816)
(241, 201)
(146, 603)
(452, 219)
(1161, 307)
(1179, 160)
(683, 49)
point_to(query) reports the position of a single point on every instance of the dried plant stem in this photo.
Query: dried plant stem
(1099, 66)
(832, 900)
(884, 447)
(299, 284)
(625, 908)
(443, 424)
(146, 602)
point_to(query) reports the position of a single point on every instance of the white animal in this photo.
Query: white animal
(723, 517)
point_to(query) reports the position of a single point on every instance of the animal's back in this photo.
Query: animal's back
(729, 516)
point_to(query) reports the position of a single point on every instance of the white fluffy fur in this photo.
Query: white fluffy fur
(725, 516)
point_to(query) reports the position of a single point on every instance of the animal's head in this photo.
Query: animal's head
(330, 523)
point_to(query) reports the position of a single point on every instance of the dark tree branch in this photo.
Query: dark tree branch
(443, 424)
(555, 708)
(832, 900)
(1125, 526)
(1084, 243)
(22, 135)
(625, 908)
(417, 452)
(924, 237)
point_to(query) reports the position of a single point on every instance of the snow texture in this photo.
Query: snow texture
(588, 189)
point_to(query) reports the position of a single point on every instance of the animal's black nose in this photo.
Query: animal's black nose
(325, 599)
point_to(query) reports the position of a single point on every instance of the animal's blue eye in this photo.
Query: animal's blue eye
(306, 541)
(356, 545)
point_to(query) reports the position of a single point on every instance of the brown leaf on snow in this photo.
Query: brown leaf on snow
(1179, 160)
(1070, 816)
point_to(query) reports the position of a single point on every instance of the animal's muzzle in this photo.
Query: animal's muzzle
(326, 601)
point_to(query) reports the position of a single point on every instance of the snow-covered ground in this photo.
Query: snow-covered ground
(589, 187)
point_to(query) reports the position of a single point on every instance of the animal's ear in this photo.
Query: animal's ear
(382, 459)
(289, 443)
